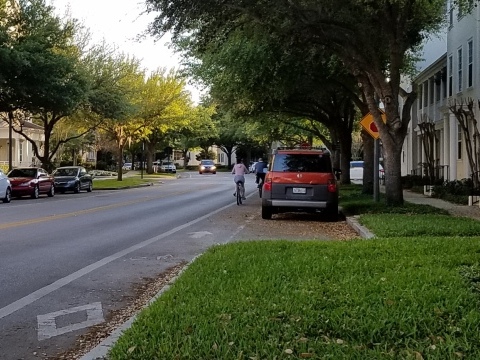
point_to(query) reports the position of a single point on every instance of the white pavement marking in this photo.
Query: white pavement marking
(36, 295)
(47, 326)
(241, 227)
(199, 234)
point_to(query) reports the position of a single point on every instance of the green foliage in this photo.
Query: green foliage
(354, 202)
(413, 225)
(456, 191)
(410, 181)
(40, 68)
(233, 33)
(202, 155)
(397, 298)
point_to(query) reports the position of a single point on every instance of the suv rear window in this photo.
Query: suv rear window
(302, 163)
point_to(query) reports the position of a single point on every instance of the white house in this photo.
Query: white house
(22, 153)
(444, 79)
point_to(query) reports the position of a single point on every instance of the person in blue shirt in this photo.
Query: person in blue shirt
(259, 171)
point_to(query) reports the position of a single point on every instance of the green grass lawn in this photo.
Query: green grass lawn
(412, 296)
(131, 181)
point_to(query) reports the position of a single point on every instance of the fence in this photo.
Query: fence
(433, 175)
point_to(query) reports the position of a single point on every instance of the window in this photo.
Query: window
(438, 83)
(20, 151)
(470, 64)
(459, 143)
(302, 163)
(450, 75)
(459, 70)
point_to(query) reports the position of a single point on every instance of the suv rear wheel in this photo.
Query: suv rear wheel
(266, 212)
(331, 213)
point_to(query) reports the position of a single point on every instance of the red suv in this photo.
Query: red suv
(300, 180)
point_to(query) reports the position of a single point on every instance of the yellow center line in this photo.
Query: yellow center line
(89, 211)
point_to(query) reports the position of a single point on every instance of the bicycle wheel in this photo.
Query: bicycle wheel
(239, 194)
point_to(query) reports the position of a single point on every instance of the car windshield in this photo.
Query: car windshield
(302, 163)
(207, 162)
(23, 173)
(66, 172)
(356, 164)
(166, 163)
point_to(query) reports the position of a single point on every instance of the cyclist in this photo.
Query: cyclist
(239, 170)
(260, 174)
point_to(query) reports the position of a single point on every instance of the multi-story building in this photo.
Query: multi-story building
(446, 79)
(22, 152)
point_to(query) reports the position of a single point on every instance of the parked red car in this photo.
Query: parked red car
(31, 181)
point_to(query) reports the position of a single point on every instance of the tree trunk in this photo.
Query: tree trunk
(120, 162)
(393, 137)
(186, 159)
(150, 153)
(345, 157)
(367, 181)
(393, 173)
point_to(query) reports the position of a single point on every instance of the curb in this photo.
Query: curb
(361, 230)
(100, 351)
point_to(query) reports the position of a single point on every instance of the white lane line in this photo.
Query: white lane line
(47, 326)
(38, 294)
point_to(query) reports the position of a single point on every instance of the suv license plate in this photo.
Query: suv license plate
(299, 190)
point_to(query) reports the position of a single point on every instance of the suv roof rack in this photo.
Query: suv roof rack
(301, 147)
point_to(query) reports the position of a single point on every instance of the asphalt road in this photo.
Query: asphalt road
(67, 262)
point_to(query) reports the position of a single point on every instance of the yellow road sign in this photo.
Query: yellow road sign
(369, 125)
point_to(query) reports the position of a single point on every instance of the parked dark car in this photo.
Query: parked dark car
(72, 178)
(207, 166)
(31, 181)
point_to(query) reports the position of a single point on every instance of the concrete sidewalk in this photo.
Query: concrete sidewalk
(454, 209)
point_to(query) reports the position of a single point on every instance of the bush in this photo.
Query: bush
(410, 181)
(456, 191)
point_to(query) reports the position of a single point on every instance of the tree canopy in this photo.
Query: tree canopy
(374, 40)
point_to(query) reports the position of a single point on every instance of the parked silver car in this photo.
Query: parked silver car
(5, 188)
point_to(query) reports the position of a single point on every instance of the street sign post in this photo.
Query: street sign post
(368, 124)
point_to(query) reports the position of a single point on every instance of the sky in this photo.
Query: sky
(120, 22)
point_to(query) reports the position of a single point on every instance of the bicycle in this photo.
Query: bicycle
(240, 192)
(260, 186)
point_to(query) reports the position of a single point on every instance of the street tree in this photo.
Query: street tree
(41, 78)
(260, 74)
(199, 127)
(127, 127)
(165, 106)
(373, 39)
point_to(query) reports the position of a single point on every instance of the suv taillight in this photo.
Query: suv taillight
(332, 186)
(267, 185)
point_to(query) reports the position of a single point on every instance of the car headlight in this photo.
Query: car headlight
(213, 168)
(202, 167)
